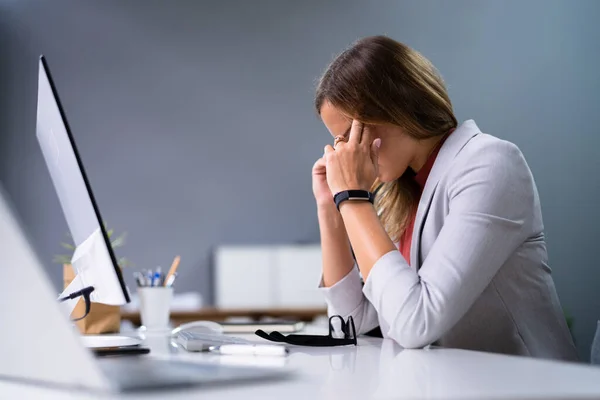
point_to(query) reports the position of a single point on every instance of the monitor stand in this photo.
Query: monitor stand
(76, 285)
(93, 341)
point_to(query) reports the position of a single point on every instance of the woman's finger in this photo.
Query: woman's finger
(320, 165)
(356, 132)
(337, 140)
(375, 151)
(328, 149)
(367, 137)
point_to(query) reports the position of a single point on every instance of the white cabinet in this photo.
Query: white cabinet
(268, 276)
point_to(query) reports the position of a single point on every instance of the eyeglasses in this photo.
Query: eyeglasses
(347, 328)
(85, 293)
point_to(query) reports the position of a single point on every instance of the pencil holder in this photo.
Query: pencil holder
(155, 304)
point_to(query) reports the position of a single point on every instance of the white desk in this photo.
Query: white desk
(376, 369)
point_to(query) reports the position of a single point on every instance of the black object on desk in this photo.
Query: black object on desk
(347, 329)
(120, 351)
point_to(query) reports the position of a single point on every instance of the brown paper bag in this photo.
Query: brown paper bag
(102, 317)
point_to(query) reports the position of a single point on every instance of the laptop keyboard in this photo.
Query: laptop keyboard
(207, 337)
(194, 341)
(144, 372)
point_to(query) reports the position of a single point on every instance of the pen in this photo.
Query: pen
(139, 279)
(250, 350)
(170, 280)
(149, 278)
(156, 278)
(172, 270)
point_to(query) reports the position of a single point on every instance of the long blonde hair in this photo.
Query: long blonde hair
(381, 81)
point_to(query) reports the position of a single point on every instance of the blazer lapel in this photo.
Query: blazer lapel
(455, 142)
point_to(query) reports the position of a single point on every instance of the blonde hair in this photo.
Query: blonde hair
(381, 81)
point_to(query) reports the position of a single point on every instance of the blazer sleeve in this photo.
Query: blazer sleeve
(345, 298)
(490, 201)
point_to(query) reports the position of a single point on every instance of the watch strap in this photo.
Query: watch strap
(353, 195)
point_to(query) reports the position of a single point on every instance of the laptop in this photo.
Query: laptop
(38, 342)
(40, 345)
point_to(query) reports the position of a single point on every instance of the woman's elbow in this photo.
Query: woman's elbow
(412, 338)
(410, 342)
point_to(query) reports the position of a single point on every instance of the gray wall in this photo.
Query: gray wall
(195, 119)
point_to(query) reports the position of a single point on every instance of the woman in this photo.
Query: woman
(452, 251)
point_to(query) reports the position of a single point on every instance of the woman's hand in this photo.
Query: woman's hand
(321, 190)
(352, 164)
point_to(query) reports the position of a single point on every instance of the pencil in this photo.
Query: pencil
(173, 269)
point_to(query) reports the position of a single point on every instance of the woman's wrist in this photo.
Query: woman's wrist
(326, 204)
(328, 210)
(329, 217)
(348, 206)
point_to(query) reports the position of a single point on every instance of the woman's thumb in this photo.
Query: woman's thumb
(375, 150)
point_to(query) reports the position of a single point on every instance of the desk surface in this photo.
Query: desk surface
(377, 369)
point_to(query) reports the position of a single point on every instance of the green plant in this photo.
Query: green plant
(570, 323)
(115, 242)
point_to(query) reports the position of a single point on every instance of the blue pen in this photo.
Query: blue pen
(157, 277)
(149, 278)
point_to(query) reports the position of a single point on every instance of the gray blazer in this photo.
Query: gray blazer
(479, 278)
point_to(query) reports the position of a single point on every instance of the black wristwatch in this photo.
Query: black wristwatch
(358, 195)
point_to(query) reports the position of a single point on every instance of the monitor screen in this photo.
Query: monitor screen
(94, 259)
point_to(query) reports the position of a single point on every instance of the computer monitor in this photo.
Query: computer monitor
(94, 260)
